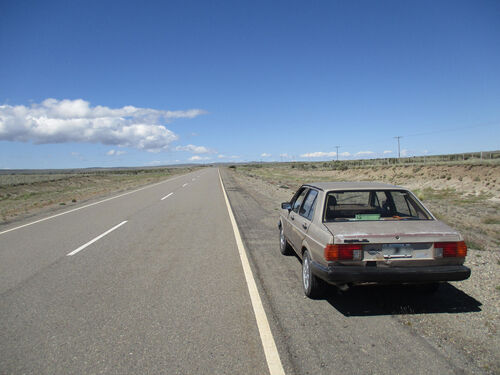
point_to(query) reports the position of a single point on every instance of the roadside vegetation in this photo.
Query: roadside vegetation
(466, 195)
(23, 193)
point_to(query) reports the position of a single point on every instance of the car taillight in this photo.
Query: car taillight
(343, 252)
(451, 249)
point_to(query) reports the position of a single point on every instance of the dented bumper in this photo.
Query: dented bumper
(362, 274)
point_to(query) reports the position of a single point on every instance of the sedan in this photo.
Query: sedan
(349, 233)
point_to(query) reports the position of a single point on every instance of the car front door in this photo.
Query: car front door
(293, 215)
(287, 226)
(302, 218)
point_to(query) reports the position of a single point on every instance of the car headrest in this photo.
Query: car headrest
(332, 201)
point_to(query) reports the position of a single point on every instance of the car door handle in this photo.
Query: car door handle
(304, 225)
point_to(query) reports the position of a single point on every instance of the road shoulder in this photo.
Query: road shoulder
(339, 323)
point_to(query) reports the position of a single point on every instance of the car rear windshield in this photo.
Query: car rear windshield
(376, 205)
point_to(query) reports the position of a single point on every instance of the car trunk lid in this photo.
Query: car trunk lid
(389, 241)
(406, 231)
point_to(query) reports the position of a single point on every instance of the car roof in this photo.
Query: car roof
(352, 185)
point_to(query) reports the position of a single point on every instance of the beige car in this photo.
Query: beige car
(361, 232)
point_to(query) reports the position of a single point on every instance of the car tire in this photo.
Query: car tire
(313, 287)
(285, 247)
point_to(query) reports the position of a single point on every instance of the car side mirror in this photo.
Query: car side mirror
(286, 206)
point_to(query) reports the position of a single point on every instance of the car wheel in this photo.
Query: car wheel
(313, 287)
(285, 247)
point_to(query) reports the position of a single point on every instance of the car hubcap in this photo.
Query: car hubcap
(305, 273)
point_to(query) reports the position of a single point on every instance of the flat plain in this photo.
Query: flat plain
(454, 331)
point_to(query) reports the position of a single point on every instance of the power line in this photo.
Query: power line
(399, 149)
(454, 129)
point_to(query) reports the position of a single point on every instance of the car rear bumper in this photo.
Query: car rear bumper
(357, 274)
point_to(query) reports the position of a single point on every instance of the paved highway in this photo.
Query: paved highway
(162, 293)
(155, 281)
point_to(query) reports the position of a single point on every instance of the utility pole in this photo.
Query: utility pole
(337, 147)
(399, 151)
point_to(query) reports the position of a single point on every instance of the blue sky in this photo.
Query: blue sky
(129, 83)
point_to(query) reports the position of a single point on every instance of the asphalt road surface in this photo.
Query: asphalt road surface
(152, 282)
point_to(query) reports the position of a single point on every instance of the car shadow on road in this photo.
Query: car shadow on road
(400, 300)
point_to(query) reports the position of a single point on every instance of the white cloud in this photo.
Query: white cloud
(221, 156)
(364, 153)
(285, 156)
(198, 158)
(62, 121)
(345, 154)
(194, 149)
(115, 152)
(265, 155)
(387, 152)
(404, 152)
(319, 154)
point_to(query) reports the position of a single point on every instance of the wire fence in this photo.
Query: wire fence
(467, 157)
(481, 157)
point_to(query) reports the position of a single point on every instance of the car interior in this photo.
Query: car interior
(372, 205)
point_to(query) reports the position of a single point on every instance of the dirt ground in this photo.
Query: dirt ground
(467, 198)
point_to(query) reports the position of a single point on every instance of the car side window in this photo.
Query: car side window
(295, 196)
(401, 203)
(307, 208)
(298, 202)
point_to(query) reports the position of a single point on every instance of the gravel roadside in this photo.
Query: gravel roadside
(472, 330)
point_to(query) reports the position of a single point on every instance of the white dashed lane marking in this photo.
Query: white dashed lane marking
(90, 205)
(96, 239)
(166, 196)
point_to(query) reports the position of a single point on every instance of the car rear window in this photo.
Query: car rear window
(373, 205)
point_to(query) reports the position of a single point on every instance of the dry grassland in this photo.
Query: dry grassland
(26, 194)
(465, 196)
